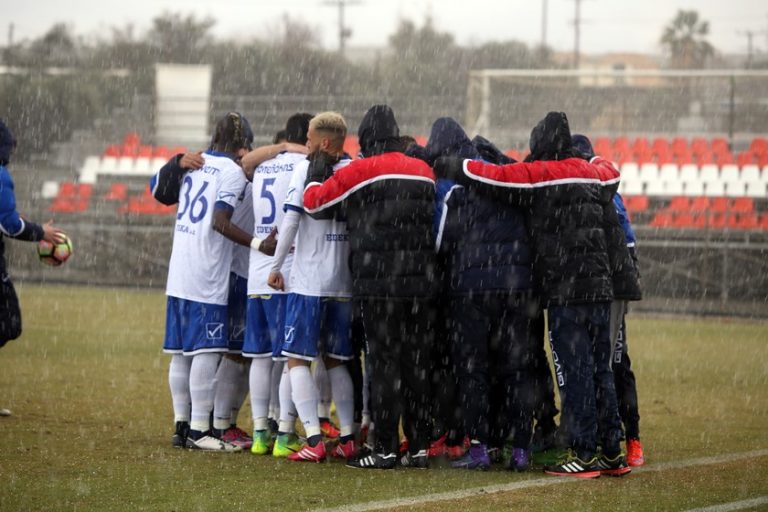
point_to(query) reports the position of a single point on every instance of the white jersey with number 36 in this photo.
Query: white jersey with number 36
(201, 257)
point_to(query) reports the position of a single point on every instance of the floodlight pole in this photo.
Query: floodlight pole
(344, 32)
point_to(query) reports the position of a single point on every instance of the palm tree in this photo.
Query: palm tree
(685, 40)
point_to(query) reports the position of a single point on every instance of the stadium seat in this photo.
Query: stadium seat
(89, 171)
(700, 204)
(157, 162)
(689, 172)
(736, 188)
(125, 165)
(694, 188)
(750, 173)
(746, 220)
(163, 152)
(674, 188)
(649, 172)
(743, 205)
(50, 189)
(669, 172)
(112, 150)
(714, 188)
(729, 172)
(636, 204)
(72, 198)
(143, 167)
(756, 189)
(656, 188)
(631, 187)
(709, 172)
(719, 204)
(705, 158)
(352, 147)
(746, 158)
(630, 171)
(108, 165)
(717, 220)
(700, 145)
(662, 219)
(759, 145)
(764, 220)
(145, 152)
(117, 192)
(724, 159)
(680, 204)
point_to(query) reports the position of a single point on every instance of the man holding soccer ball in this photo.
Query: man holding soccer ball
(14, 226)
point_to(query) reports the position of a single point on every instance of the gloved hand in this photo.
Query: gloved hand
(320, 167)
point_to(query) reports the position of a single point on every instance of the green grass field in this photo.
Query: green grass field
(91, 425)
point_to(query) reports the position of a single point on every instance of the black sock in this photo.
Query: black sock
(313, 440)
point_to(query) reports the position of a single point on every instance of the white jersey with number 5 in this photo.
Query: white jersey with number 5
(270, 185)
(201, 257)
(321, 263)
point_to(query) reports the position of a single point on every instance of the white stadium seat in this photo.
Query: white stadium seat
(674, 188)
(125, 165)
(50, 189)
(655, 188)
(630, 171)
(143, 166)
(157, 163)
(649, 172)
(90, 170)
(108, 165)
(756, 189)
(669, 172)
(729, 172)
(694, 188)
(750, 172)
(689, 173)
(632, 187)
(709, 172)
(714, 188)
(735, 188)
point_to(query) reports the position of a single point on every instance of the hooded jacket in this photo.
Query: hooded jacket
(483, 240)
(566, 216)
(11, 223)
(388, 199)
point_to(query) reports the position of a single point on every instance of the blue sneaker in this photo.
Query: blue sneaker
(475, 458)
(520, 460)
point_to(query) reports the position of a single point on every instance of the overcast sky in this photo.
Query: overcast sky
(608, 25)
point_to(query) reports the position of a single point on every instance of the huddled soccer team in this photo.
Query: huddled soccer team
(407, 286)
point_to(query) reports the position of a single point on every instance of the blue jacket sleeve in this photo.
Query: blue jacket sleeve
(11, 223)
(166, 184)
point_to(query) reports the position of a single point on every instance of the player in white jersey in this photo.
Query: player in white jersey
(266, 307)
(319, 305)
(198, 276)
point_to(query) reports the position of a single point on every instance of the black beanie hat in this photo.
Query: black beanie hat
(551, 139)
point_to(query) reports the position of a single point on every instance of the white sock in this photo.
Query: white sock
(323, 386)
(178, 380)
(260, 380)
(304, 395)
(287, 409)
(202, 384)
(242, 390)
(227, 385)
(343, 396)
(274, 397)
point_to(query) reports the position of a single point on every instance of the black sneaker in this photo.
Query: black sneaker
(572, 465)
(418, 460)
(373, 461)
(616, 466)
(179, 439)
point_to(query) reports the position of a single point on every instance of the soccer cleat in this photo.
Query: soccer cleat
(5, 412)
(520, 460)
(211, 444)
(635, 455)
(179, 439)
(373, 461)
(476, 458)
(309, 453)
(328, 429)
(572, 465)
(616, 466)
(345, 451)
(237, 437)
(285, 445)
(262, 442)
(418, 460)
(438, 447)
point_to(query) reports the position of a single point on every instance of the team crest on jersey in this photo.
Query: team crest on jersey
(290, 334)
(214, 330)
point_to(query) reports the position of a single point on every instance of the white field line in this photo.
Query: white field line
(527, 484)
(735, 505)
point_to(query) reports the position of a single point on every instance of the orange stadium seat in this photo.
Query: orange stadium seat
(112, 150)
(759, 145)
(117, 192)
(662, 219)
(72, 198)
(351, 146)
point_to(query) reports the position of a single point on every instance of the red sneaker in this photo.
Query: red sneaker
(328, 429)
(309, 453)
(237, 437)
(437, 448)
(345, 451)
(635, 452)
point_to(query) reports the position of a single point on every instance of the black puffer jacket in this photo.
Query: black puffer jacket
(389, 202)
(566, 220)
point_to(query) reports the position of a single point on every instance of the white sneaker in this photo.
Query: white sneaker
(5, 412)
(211, 444)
